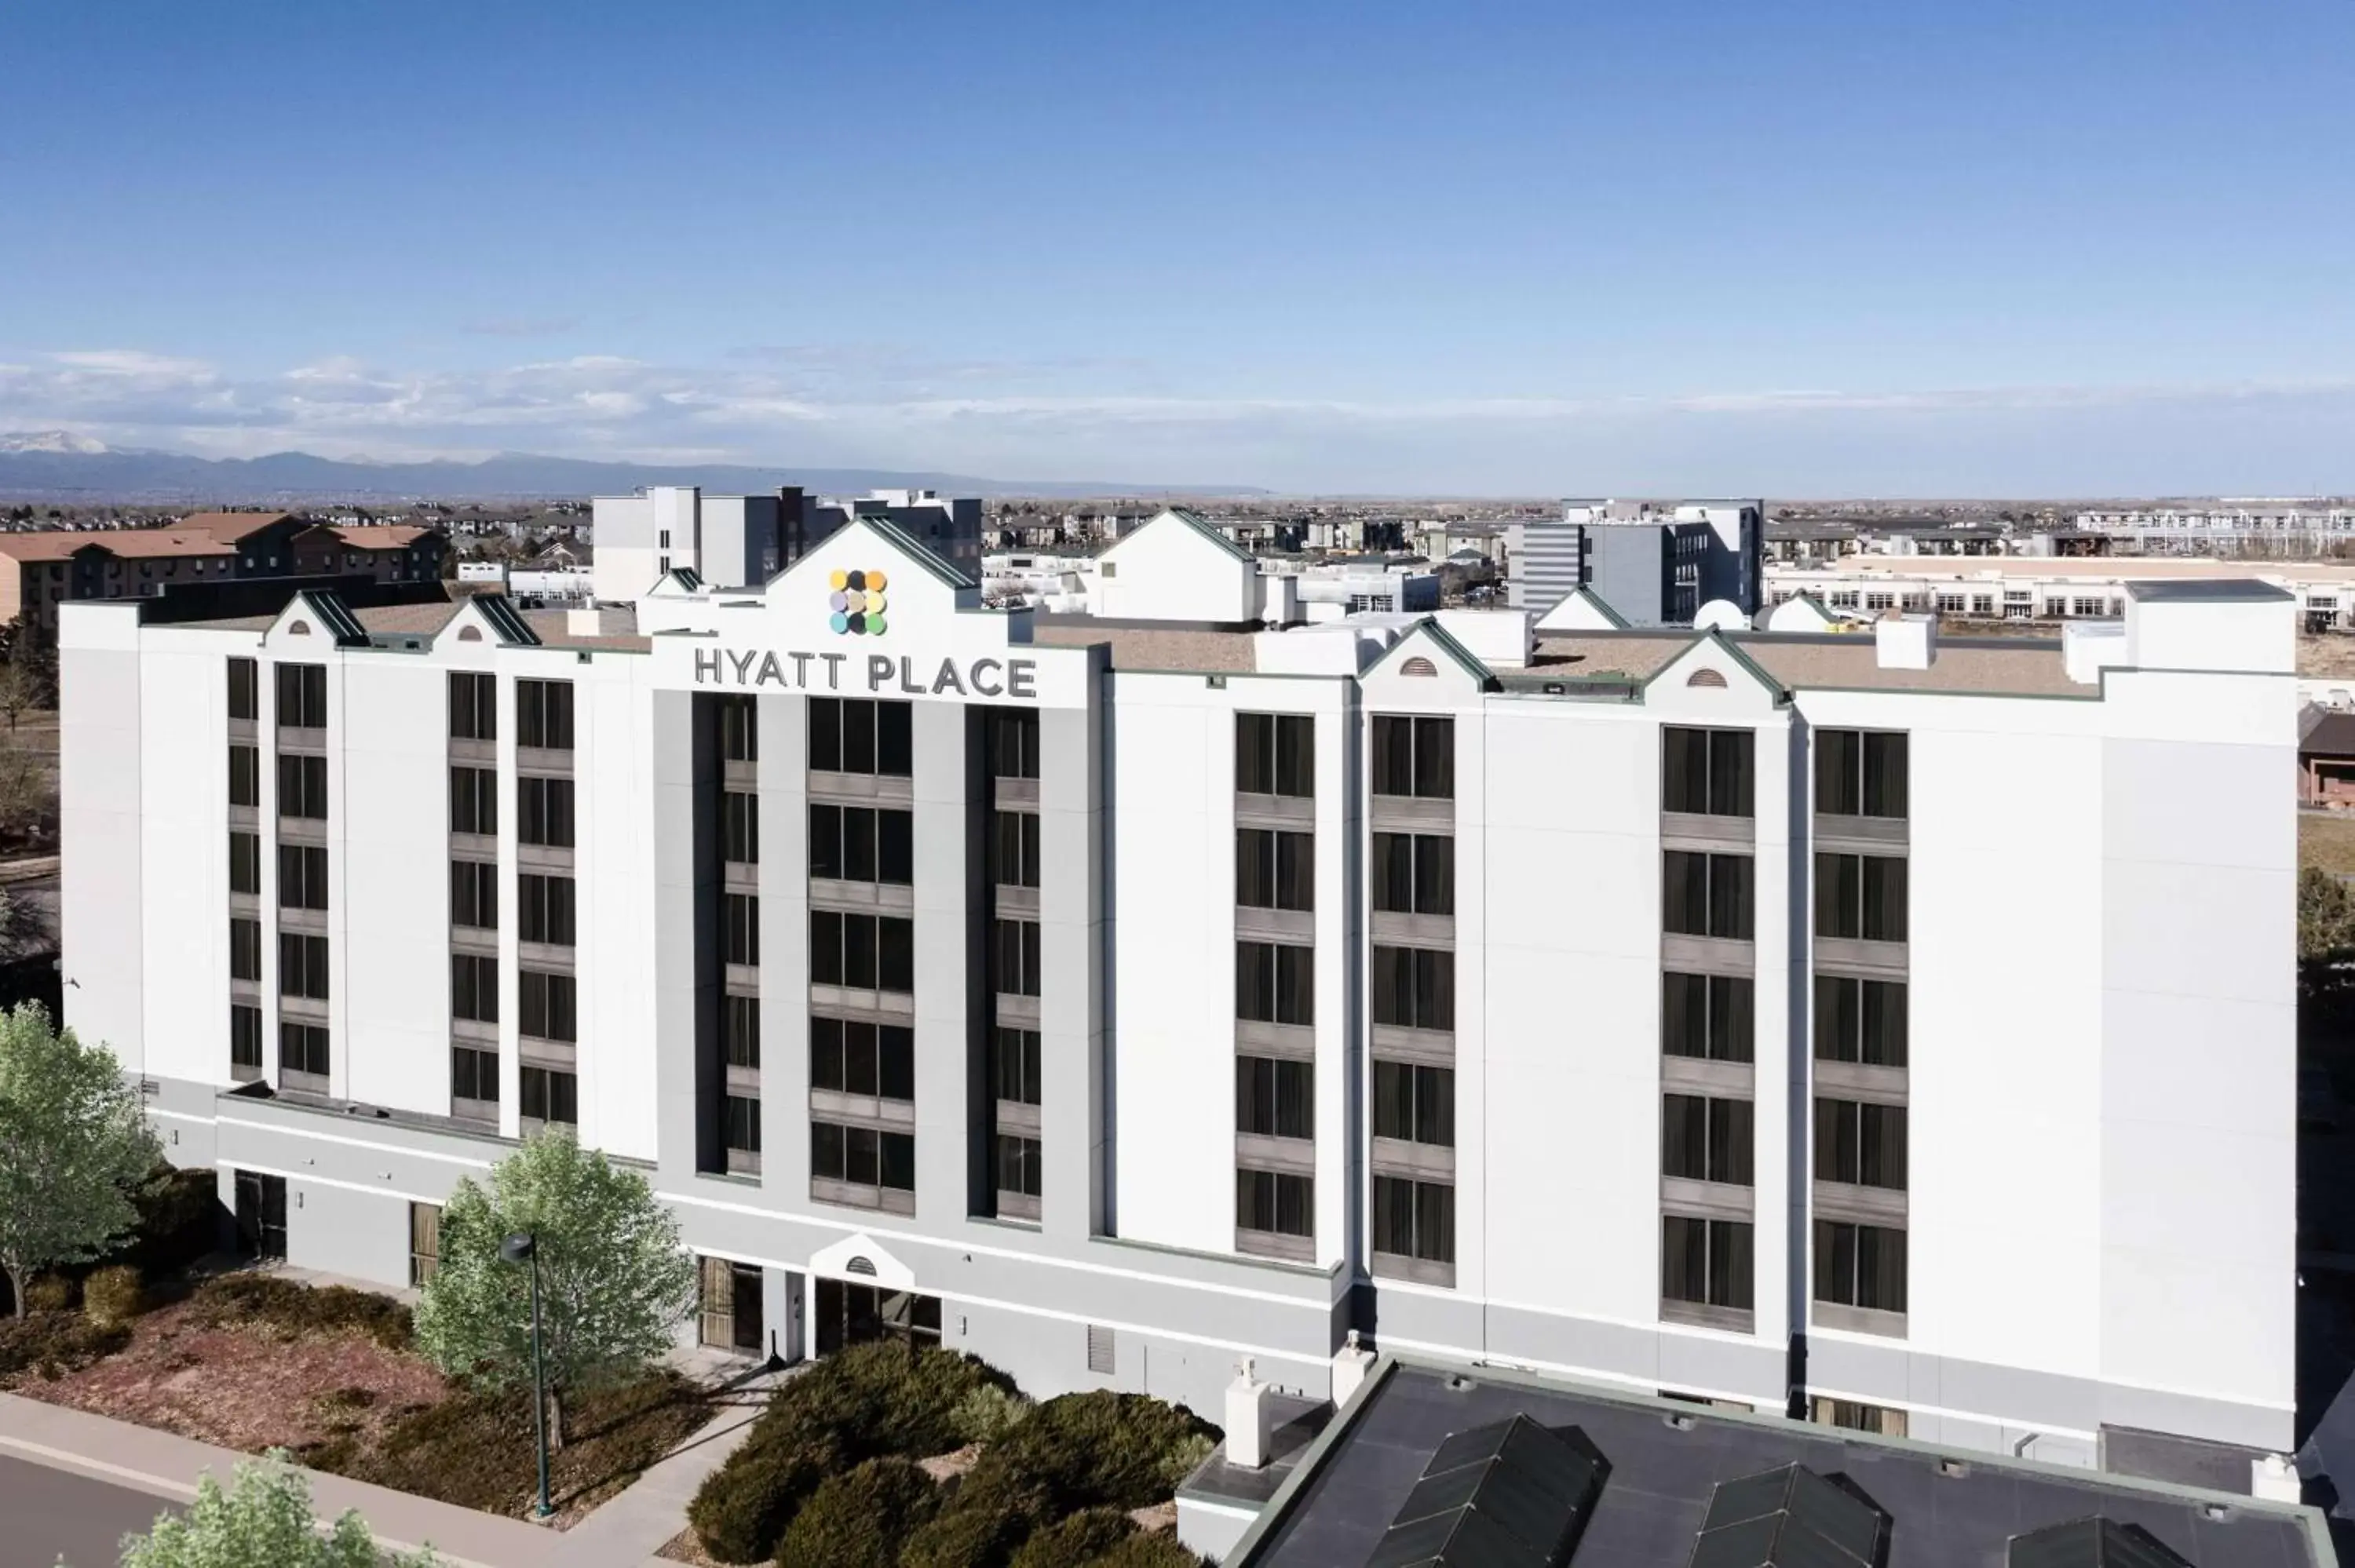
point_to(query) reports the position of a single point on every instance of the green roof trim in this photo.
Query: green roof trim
(1618, 622)
(1457, 654)
(892, 534)
(1757, 671)
(505, 622)
(1209, 530)
(335, 615)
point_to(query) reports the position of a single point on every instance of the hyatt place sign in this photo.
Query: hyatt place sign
(754, 669)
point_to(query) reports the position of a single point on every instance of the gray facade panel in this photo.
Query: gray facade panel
(784, 951)
(946, 949)
(1072, 948)
(673, 923)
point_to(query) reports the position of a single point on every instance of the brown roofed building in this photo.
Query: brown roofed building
(40, 570)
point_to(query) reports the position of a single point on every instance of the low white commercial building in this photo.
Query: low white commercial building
(2050, 587)
(1118, 999)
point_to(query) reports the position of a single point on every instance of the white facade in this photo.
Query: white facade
(2097, 1181)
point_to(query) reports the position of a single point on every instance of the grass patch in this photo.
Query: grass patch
(475, 1450)
(2327, 840)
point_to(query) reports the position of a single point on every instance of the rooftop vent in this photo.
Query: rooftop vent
(1508, 1495)
(1789, 1518)
(1418, 666)
(2096, 1542)
(1715, 678)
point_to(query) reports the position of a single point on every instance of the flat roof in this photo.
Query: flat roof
(1946, 1507)
(2219, 590)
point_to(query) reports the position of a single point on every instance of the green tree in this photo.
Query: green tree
(74, 1148)
(2326, 917)
(615, 1282)
(263, 1522)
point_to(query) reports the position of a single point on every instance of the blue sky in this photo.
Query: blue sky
(1829, 248)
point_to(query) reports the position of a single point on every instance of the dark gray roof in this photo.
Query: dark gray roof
(1945, 1509)
(2328, 734)
(2206, 590)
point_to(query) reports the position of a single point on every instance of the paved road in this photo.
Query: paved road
(46, 1513)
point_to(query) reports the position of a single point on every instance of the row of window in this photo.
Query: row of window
(1712, 772)
(1858, 896)
(1708, 1017)
(302, 1047)
(551, 1002)
(547, 912)
(543, 711)
(544, 806)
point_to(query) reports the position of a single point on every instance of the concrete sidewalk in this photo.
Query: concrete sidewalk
(168, 1466)
(627, 1532)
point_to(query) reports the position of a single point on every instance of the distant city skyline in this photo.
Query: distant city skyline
(2012, 249)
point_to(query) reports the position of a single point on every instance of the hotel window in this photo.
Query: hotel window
(1861, 773)
(1707, 772)
(245, 950)
(1414, 988)
(1275, 1203)
(424, 1243)
(551, 1095)
(1018, 1161)
(852, 1057)
(550, 1006)
(862, 843)
(547, 908)
(1414, 757)
(739, 827)
(863, 952)
(546, 810)
(474, 895)
(1016, 858)
(245, 1036)
(1414, 1219)
(740, 918)
(1705, 1139)
(244, 693)
(1013, 962)
(1860, 1143)
(1275, 1098)
(857, 734)
(740, 730)
(474, 707)
(544, 715)
(1854, 1416)
(474, 801)
(473, 1075)
(302, 876)
(474, 987)
(1860, 897)
(302, 786)
(302, 966)
(1414, 1103)
(862, 1156)
(1414, 873)
(1706, 1016)
(245, 775)
(303, 696)
(1861, 1020)
(1013, 743)
(302, 1048)
(1706, 1262)
(1275, 983)
(741, 1124)
(1014, 1064)
(1706, 894)
(1859, 1266)
(739, 1030)
(1275, 753)
(244, 862)
(1274, 869)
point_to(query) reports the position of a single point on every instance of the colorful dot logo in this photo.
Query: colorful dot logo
(857, 604)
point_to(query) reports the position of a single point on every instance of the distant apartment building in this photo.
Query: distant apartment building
(40, 570)
(742, 541)
(1654, 563)
(2048, 587)
(2285, 522)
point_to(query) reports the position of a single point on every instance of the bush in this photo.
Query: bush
(112, 1295)
(859, 1518)
(982, 1527)
(1148, 1549)
(1101, 1449)
(869, 1402)
(50, 1293)
(55, 1344)
(180, 1220)
(295, 1310)
(1077, 1541)
(988, 1413)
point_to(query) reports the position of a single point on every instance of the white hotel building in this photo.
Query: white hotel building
(1118, 999)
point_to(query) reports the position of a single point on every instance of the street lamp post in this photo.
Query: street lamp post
(524, 1248)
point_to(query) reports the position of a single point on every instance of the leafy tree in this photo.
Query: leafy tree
(264, 1521)
(74, 1148)
(2326, 917)
(614, 1281)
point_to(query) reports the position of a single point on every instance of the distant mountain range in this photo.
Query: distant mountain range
(57, 465)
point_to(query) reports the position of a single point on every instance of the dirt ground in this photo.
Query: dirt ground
(243, 1388)
(2327, 839)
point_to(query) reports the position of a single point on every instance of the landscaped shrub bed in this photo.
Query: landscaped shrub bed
(870, 1402)
(268, 1302)
(53, 1344)
(1061, 1475)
